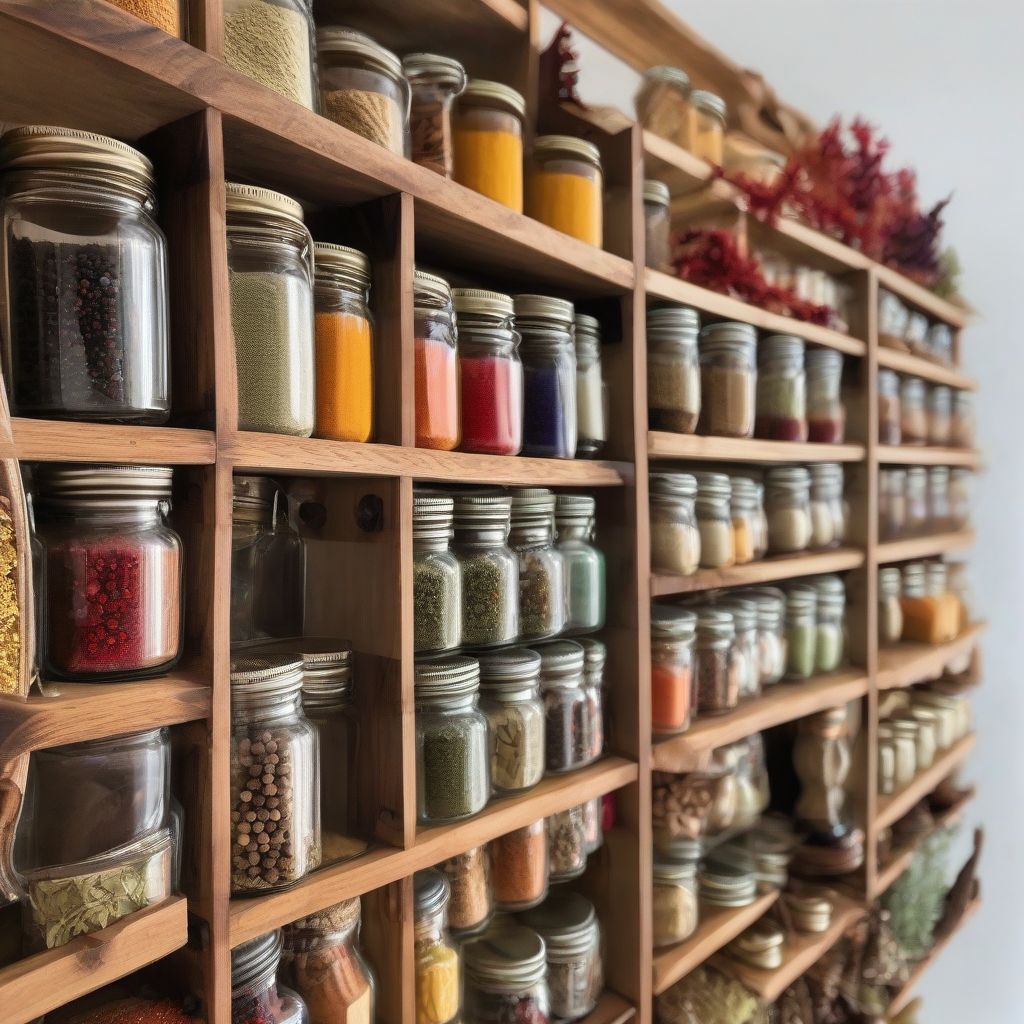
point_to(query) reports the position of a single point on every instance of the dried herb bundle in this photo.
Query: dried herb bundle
(916, 898)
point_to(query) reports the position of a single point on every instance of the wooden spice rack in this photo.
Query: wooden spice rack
(87, 64)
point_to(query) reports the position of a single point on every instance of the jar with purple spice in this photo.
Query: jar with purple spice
(568, 727)
(506, 976)
(83, 273)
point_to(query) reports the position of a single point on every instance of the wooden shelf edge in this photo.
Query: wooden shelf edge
(923, 455)
(39, 984)
(905, 664)
(60, 441)
(662, 445)
(918, 295)
(611, 1009)
(917, 366)
(924, 547)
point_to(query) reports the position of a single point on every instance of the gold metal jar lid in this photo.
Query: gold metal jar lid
(483, 93)
(479, 302)
(567, 145)
(438, 68)
(656, 192)
(342, 262)
(347, 42)
(262, 674)
(544, 308)
(430, 289)
(265, 202)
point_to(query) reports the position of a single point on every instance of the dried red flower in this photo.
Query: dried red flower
(559, 70)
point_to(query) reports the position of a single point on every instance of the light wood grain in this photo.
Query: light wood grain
(915, 366)
(910, 455)
(924, 547)
(662, 445)
(906, 664)
(610, 1009)
(57, 441)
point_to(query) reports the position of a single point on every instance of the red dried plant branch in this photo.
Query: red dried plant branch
(558, 70)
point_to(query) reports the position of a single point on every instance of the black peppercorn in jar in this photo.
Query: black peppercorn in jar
(505, 971)
(568, 725)
(542, 572)
(84, 278)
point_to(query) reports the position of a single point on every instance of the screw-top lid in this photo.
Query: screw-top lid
(715, 623)
(780, 346)
(656, 192)
(430, 289)
(709, 102)
(507, 956)
(940, 397)
(787, 478)
(912, 388)
(453, 676)
(567, 145)
(670, 622)
(770, 603)
(801, 599)
(890, 581)
(359, 46)
(483, 303)
(436, 67)
(671, 869)
(667, 319)
(594, 653)
(713, 486)
(432, 515)
(481, 510)
(532, 507)
(743, 611)
(482, 93)
(101, 486)
(260, 675)
(743, 492)
(509, 669)
(341, 262)
(728, 334)
(567, 922)
(917, 477)
(822, 362)
(588, 329)
(327, 676)
(759, 938)
(667, 73)
(431, 891)
(888, 382)
(560, 657)
(255, 959)
(574, 508)
(264, 202)
(544, 310)
(673, 485)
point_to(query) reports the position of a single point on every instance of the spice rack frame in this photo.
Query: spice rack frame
(87, 64)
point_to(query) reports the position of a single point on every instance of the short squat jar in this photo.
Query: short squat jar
(781, 389)
(826, 413)
(728, 377)
(453, 778)
(542, 599)
(438, 965)
(591, 391)
(675, 536)
(657, 224)
(672, 669)
(505, 977)
(255, 992)
(568, 727)
(84, 279)
(717, 682)
(434, 82)
(437, 363)
(488, 135)
(584, 563)
(436, 575)
(675, 906)
(714, 521)
(564, 187)
(673, 369)
(788, 504)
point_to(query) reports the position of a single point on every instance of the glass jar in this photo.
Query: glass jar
(939, 515)
(959, 498)
(826, 414)
(438, 967)
(275, 824)
(564, 187)
(567, 844)
(84, 278)
(672, 669)
(436, 363)
(489, 569)
(491, 374)
(542, 601)
(593, 824)
(673, 369)
(916, 334)
(567, 729)
(436, 575)
(890, 416)
(663, 104)
(572, 938)
(830, 623)
(759, 518)
(505, 977)
(471, 906)
(940, 415)
(801, 631)
(708, 139)
(913, 418)
(321, 960)
(362, 87)
(788, 504)
(781, 389)
(519, 867)
(585, 573)
(939, 343)
(594, 656)
(591, 391)
(113, 567)
(718, 684)
(510, 698)
(675, 537)
(344, 343)
(657, 225)
(714, 520)
(453, 778)
(917, 501)
(890, 614)
(904, 731)
(892, 503)
(743, 657)
(771, 641)
(828, 511)
(728, 377)
(488, 136)
(434, 83)
(892, 320)
(271, 41)
(963, 426)
(548, 355)
(270, 272)
(256, 996)
(743, 508)
(675, 908)
(936, 578)
(926, 739)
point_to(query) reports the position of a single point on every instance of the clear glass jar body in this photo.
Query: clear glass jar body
(745, 660)
(519, 867)
(828, 511)
(657, 231)
(673, 379)
(830, 632)
(801, 640)
(565, 192)
(718, 684)
(959, 498)
(437, 597)
(939, 415)
(675, 535)
(905, 742)
(743, 511)
(771, 643)
(471, 905)
(591, 398)
(728, 387)
(498, 1004)
(913, 418)
(890, 416)
(826, 414)
(438, 969)
(430, 117)
(595, 655)
(267, 1002)
(84, 301)
(939, 514)
(708, 139)
(963, 427)
(672, 684)
(917, 501)
(890, 612)
(714, 523)
(567, 845)
(585, 578)
(675, 907)
(788, 504)
(490, 587)
(437, 378)
(491, 390)
(593, 824)
(542, 599)
(567, 730)
(515, 719)
(892, 503)
(781, 390)
(489, 152)
(549, 392)
(663, 106)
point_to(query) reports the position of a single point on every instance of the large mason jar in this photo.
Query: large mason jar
(826, 414)
(437, 363)
(585, 572)
(436, 576)
(438, 966)
(830, 636)
(255, 993)
(542, 598)
(565, 187)
(717, 686)
(83, 287)
(488, 135)
(505, 974)
(744, 656)
(673, 369)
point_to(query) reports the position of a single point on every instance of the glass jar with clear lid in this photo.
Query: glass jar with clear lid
(959, 497)
(801, 631)
(584, 562)
(594, 656)
(771, 641)
(672, 668)
(663, 104)
(274, 771)
(892, 503)
(591, 391)
(491, 373)
(963, 425)
(436, 363)
(519, 867)
(917, 501)
(489, 568)
(708, 139)
(890, 613)
(830, 622)
(940, 415)
(728, 377)
(718, 682)
(781, 389)
(714, 520)
(471, 906)
(675, 907)
(113, 569)
(788, 504)
(913, 417)
(453, 778)
(505, 972)
(657, 224)
(568, 729)
(743, 508)
(256, 995)
(743, 658)
(488, 136)
(510, 698)
(826, 414)
(438, 965)
(362, 87)
(83, 289)
(675, 536)
(548, 354)
(436, 575)
(270, 273)
(828, 510)
(890, 416)
(567, 844)
(940, 516)
(565, 187)
(673, 369)
(434, 83)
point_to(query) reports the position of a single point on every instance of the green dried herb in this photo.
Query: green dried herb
(489, 607)
(916, 898)
(435, 616)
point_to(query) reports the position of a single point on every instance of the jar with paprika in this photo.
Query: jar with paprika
(437, 363)
(672, 682)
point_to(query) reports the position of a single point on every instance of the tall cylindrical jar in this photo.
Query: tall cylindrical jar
(892, 503)
(436, 575)
(708, 139)
(595, 654)
(728, 377)
(828, 510)
(781, 389)
(830, 621)
(472, 904)
(890, 613)
(743, 657)
(505, 971)
(917, 500)
(542, 572)
(913, 417)
(672, 668)
(438, 966)
(801, 631)
(673, 369)
(519, 867)
(255, 992)
(714, 520)
(591, 391)
(717, 684)
(565, 187)
(675, 536)
(940, 516)
(575, 518)
(657, 224)
(771, 639)
(567, 844)
(788, 504)
(744, 509)
(959, 497)
(890, 417)
(488, 137)
(567, 726)
(434, 81)
(963, 427)
(826, 414)
(436, 363)
(940, 413)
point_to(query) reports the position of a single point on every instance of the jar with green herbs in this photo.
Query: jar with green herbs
(890, 612)
(673, 369)
(436, 575)
(434, 82)
(471, 906)
(542, 599)
(675, 536)
(714, 520)
(830, 618)
(718, 683)
(505, 971)
(575, 516)
(591, 389)
(771, 640)
(568, 729)
(594, 656)
(510, 698)
(657, 225)
(781, 389)
(728, 376)
(788, 504)
(567, 844)
(828, 510)
(801, 631)
(675, 908)
(438, 965)
(270, 273)
(256, 994)
(743, 657)
(453, 778)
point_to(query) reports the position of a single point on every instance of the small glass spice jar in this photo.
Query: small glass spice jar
(963, 426)
(488, 136)
(438, 966)
(567, 726)
(743, 657)
(274, 771)
(256, 996)
(788, 504)
(904, 734)
(708, 139)
(672, 668)
(436, 363)
(890, 416)
(471, 906)
(584, 563)
(728, 378)
(959, 498)
(567, 844)
(453, 778)
(270, 272)
(591, 391)
(675, 536)
(491, 373)
(939, 343)
(801, 631)
(826, 414)
(542, 601)
(113, 569)
(714, 520)
(83, 273)
(828, 511)
(771, 642)
(913, 418)
(718, 684)
(593, 824)
(519, 867)
(362, 87)
(743, 509)
(344, 343)
(565, 187)
(940, 415)
(510, 698)
(890, 614)
(505, 971)
(673, 369)
(489, 569)
(726, 885)
(594, 656)
(436, 575)
(830, 628)
(657, 224)
(917, 501)
(939, 515)
(675, 908)
(892, 503)
(548, 354)
(663, 104)
(781, 389)
(434, 83)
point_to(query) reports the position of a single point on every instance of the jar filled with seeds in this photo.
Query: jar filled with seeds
(490, 570)
(84, 279)
(542, 600)
(270, 271)
(890, 613)
(274, 772)
(505, 971)
(469, 878)
(453, 778)
(255, 992)
(673, 369)
(940, 415)
(743, 657)
(567, 844)
(830, 618)
(717, 685)
(913, 417)
(963, 426)
(594, 656)
(510, 698)
(801, 631)
(657, 225)
(436, 576)
(826, 414)
(728, 375)
(672, 668)
(519, 867)
(567, 728)
(438, 966)
(744, 509)
(781, 389)
(771, 640)
(788, 504)
(828, 511)
(435, 81)
(889, 415)
(575, 516)
(488, 129)
(362, 87)
(675, 536)
(714, 520)
(565, 187)
(675, 907)
(591, 390)
(436, 363)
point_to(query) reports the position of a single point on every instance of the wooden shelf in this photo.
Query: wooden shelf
(925, 300)
(892, 807)
(910, 455)
(40, 983)
(59, 441)
(783, 702)
(924, 547)
(662, 445)
(718, 927)
(905, 664)
(610, 1009)
(780, 567)
(916, 366)
(676, 167)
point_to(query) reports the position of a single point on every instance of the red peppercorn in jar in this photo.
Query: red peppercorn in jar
(112, 603)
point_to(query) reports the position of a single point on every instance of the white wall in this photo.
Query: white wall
(944, 79)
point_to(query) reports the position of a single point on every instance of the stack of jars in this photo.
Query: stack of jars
(908, 330)
(917, 501)
(911, 412)
(923, 602)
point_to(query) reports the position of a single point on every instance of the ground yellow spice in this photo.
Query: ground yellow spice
(10, 621)
(491, 163)
(570, 203)
(165, 14)
(437, 984)
(344, 377)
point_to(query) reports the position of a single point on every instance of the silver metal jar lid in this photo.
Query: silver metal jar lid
(567, 145)
(890, 580)
(431, 891)
(594, 653)
(101, 486)
(656, 192)
(255, 958)
(744, 612)
(480, 302)
(728, 334)
(574, 507)
(710, 102)
(454, 676)
(263, 674)
(671, 869)
(347, 42)
(473, 511)
(681, 319)
(567, 922)
(801, 599)
(506, 956)
(438, 68)
(326, 675)
(560, 657)
(341, 262)
(670, 622)
(509, 669)
(543, 309)
(713, 486)
(432, 516)
(483, 93)
(588, 329)
(785, 346)
(822, 361)
(715, 623)
(430, 289)
(675, 485)
(532, 506)
(669, 74)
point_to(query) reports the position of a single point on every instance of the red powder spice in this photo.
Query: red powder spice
(134, 1011)
(828, 430)
(492, 405)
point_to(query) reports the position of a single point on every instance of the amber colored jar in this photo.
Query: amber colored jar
(487, 133)
(564, 187)
(708, 140)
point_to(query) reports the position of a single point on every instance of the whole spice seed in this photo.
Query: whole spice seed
(470, 906)
(10, 617)
(271, 44)
(436, 614)
(567, 855)
(489, 613)
(453, 779)
(371, 114)
(519, 867)
(164, 14)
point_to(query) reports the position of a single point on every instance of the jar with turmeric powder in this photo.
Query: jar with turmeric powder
(487, 131)
(344, 343)
(708, 138)
(438, 967)
(565, 187)
(436, 362)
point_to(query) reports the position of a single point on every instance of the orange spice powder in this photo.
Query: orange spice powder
(344, 377)
(437, 395)
(570, 203)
